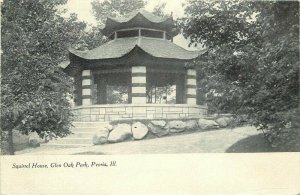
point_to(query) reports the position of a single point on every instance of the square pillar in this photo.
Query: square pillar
(101, 88)
(180, 86)
(86, 87)
(138, 90)
(191, 86)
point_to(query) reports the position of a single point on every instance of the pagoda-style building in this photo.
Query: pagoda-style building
(138, 73)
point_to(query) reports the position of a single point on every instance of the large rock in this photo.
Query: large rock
(191, 125)
(120, 133)
(159, 123)
(176, 126)
(34, 143)
(158, 128)
(139, 130)
(109, 127)
(224, 121)
(100, 137)
(207, 124)
(45, 139)
(20, 138)
(34, 139)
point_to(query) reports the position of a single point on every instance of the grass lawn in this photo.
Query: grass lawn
(213, 141)
(258, 143)
(244, 139)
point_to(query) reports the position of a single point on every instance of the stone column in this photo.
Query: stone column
(180, 86)
(86, 87)
(101, 91)
(191, 86)
(138, 84)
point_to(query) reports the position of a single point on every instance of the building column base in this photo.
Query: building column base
(191, 87)
(86, 87)
(138, 91)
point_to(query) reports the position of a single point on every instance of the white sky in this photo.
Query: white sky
(83, 9)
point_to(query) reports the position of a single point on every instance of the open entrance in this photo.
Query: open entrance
(112, 88)
(165, 88)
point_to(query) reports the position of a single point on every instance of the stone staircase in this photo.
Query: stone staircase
(82, 135)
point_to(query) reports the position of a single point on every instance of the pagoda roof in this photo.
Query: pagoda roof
(148, 15)
(118, 48)
(138, 19)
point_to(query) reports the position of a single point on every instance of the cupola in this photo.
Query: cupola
(140, 24)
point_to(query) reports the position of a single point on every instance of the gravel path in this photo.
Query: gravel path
(216, 141)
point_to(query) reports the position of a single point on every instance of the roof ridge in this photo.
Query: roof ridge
(171, 43)
(120, 47)
(139, 41)
(148, 15)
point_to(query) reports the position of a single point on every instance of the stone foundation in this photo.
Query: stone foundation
(110, 112)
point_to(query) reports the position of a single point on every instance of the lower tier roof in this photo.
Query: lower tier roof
(118, 48)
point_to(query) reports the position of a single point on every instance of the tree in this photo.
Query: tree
(251, 67)
(159, 9)
(35, 92)
(115, 8)
(89, 39)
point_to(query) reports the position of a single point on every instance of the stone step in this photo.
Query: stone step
(67, 145)
(68, 141)
(89, 124)
(81, 135)
(85, 129)
(209, 117)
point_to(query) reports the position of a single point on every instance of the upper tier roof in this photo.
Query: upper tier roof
(118, 48)
(136, 19)
(148, 15)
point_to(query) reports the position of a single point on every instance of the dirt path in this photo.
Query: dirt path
(216, 141)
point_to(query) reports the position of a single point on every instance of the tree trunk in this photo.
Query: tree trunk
(10, 142)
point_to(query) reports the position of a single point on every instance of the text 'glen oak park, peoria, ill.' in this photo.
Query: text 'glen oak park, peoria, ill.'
(85, 164)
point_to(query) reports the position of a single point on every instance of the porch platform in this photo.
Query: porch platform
(110, 112)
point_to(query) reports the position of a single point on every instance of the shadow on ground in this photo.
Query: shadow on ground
(90, 153)
(258, 143)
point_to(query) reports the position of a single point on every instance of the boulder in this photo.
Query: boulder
(100, 137)
(34, 143)
(176, 126)
(109, 127)
(120, 133)
(139, 130)
(157, 128)
(191, 125)
(207, 124)
(34, 139)
(159, 123)
(20, 138)
(224, 121)
(45, 139)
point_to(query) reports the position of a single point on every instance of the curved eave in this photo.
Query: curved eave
(138, 20)
(148, 15)
(192, 55)
(136, 56)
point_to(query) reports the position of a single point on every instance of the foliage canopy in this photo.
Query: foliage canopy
(252, 65)
(35, 92)
(115, 8)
